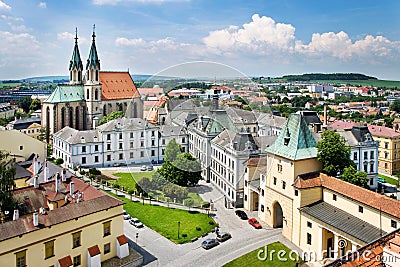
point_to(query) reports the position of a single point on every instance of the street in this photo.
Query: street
(245, 238)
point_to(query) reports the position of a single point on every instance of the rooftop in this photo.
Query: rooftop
(117, 85)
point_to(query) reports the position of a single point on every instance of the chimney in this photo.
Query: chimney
(46, 172)
(71, 188)
(35, 165)
(64, 175)
(16, 215)
(57, 181)
(215, 100)
(325, 115)
(35, 219)
(36, 181)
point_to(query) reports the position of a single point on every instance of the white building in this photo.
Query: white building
(124, 141)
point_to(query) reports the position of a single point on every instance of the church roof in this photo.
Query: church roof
(93, 60)
(219, 122)
(66, 93)
(76, 61)
(295, 141)
(117, 85)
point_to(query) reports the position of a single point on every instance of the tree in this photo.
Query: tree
(184, 170)
(25, 103)
(7, 173)
(158, 181)
(172, 150)
(351, 175)
(333, 153)
(35, 105)
(395, 106)
(145, 184)
(112, 116)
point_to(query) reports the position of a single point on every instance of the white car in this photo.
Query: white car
(143, 168)
(135, 222)
(126, 215)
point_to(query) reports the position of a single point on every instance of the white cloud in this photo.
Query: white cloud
(67, 36)
(262, 36)
(4, 6)
(42, 5)
(19, 28)
(11, 18)
(17, 44)
(115, 2)
(122, 41)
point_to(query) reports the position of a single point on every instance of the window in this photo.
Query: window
(121, 156)
(76, 240)
(107, 228)
(49, 249)
(131, 135)
(83, 160)
(142, 134)
(163, 141)
(279, 167)
(108, 157)
(371, 167)
(262, 208)
(152, 133)
(365, 167)
(309, 224)
(21, 147)
(371, 154)
(96, 158)
(296, 192)
(131, 155)
(245, 197)
(365, 155)
(107, 248)
(386, 155)
(108, 136)
(153, 153)
(309, 237)
(108, 146)
(141, 154)
(371, 181)
(96, 147)
(84, 149)
(120, 145)
(355, 156)
(274, 180)
(183, 140)
(283, 184)
(162, 151)
(393, 223)
(131, 144)
(153, 142)
(262, 192)
(386, 144)
(77, 260)
(360, 209)
(334, 197)
(141, 144)
(20, 258)
(120, 135)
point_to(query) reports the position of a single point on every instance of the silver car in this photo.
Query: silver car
(135, 222)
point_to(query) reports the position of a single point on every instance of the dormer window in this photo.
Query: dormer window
(286, 139)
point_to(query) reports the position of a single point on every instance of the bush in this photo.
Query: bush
(211, 222)
(198, 228)
(75, 169)
(91, 176)
(103, 181)
(116, 186)
(94, 171)
(130, 191)
(184, 235)
(82, 172)
(206, 205)
(59, 161)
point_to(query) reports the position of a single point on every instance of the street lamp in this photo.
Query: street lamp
(179, 224)
(137, 235)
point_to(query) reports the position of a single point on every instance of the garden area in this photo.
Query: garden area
(165, 220)
(252, 258)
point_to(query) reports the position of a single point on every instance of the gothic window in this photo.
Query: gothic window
(105, 110)
(87, 94)
(96, 94)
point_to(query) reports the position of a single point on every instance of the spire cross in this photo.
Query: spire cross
(94, 28)
(76, 34)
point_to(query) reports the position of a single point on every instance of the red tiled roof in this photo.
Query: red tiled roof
(382, 131)
(362, 195)
(65, 262)
(151, 91)
(93, 251)
(54, 196)
(122, 239)
(343, 125)
(117, 85)
(262, 161)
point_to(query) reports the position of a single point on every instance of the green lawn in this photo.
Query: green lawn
(128, 180)
(388, 179)
(165, 220)
(251, 259)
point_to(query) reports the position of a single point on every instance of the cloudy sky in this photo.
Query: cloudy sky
(257, 37)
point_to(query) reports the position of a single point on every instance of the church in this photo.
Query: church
(88, 98)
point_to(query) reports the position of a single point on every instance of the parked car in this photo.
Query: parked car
(126, 215)
(149, 167)
(221, 237)
(255, 223)
(242, 215)
(135, 222)
(143, 168)
(209, 243)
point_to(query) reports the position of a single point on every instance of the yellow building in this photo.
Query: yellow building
(63, 222)
(389, 148)
(322, 215)
(21, 146)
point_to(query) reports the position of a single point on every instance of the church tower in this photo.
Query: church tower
(75, 64)
(92, 87)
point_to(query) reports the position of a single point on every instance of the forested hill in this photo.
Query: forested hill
(328, 76)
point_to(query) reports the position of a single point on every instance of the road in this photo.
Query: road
(245, 238)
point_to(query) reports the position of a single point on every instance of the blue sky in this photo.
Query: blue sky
(269, 37)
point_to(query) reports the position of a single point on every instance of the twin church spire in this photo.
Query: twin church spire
(92, 64)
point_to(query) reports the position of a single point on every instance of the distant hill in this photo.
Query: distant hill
(328, 76)
(61, 79)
